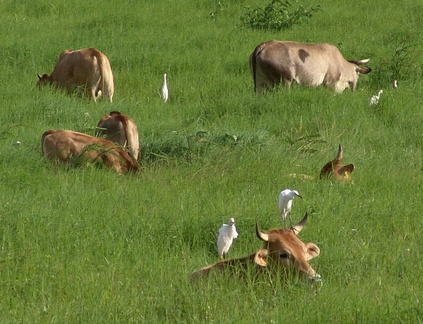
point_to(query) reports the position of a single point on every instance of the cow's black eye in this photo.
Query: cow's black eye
(284, 255)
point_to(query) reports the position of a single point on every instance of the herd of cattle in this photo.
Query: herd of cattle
(88, 71)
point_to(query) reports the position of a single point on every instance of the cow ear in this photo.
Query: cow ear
(260, 257)
(347, 168)
(312, 251)
(364, 70)
(39, 77)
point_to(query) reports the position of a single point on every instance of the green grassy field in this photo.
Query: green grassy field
(87, 245)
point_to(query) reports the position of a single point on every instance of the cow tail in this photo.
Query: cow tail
(45, 134)
(107, 83)
(100, 66)
(128, 134)
(123, 120)
(253, 60)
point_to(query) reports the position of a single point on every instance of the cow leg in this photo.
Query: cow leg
(259, 88)
(287, 83)
(95, 90)
(93, 94)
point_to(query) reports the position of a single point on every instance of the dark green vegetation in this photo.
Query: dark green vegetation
(87, 245)
(276, 15)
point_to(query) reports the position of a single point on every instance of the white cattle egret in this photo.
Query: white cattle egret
(374, 100)
(227, 233)
(165, 90)
(395, 84)
(17, 143)
(285, 202)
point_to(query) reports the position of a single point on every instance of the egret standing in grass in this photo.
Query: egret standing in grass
(395, 84)
(165, 90)
(286, 198)
(374, 100)
(227, 233)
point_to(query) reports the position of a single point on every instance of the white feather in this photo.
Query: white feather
(227, 233)
(165, 90)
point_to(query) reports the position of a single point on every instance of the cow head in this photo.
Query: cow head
(335, 167)
(284, 250)
(43, 79)
(358, 69)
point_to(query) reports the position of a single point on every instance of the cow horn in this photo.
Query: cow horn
(262, 236)
(297, 228)
(339, 155)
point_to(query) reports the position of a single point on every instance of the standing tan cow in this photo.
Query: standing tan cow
(87, 68)
(336, 169)
(282, 250)
(274, 62)
(121, 129)
(67, 146)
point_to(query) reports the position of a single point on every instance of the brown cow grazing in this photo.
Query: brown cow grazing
(274, 62)
(67, 146)
(282, 250)
(121, 129)
(335, 167)
(87, 68)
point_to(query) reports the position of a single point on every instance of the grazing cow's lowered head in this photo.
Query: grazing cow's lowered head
(121, 129)
(336, 169)
(283, 251)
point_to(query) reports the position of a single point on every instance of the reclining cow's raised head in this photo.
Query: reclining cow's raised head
(285, 250)
(335, 167)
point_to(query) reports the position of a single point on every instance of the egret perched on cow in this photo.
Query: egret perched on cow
(286, 198)
(165, 90)
(374, 100)
(227, 233)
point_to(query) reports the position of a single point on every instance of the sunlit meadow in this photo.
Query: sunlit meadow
(88, 245)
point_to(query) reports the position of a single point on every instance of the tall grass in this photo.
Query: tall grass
(87, 245)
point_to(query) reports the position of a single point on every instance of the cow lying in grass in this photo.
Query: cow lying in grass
(333, 168)
(68, 146)
(336, 168)
(282, 251)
